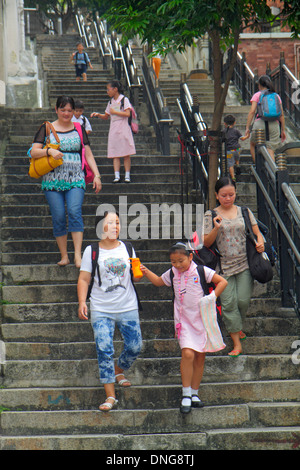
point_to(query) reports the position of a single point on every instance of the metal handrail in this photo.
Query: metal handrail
(111, 48)
(279, 209)
(286, 189)
(159, 113)
(82, 30)
(205, 173)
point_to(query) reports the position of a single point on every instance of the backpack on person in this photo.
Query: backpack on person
(208, 256)
(269, 106)
(85, 58)
(95, 267)
(207, 287)
(132, 120)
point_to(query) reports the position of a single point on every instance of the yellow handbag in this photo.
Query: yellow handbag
(41, 166)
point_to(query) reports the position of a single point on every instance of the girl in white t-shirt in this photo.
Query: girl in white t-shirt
(112, 302)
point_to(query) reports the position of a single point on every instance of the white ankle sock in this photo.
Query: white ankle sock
(195, 392)
(127, 174)
(117, 174)
(186, 392)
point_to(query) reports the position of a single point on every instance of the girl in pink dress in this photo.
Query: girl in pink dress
(120, 138)
(189, 327)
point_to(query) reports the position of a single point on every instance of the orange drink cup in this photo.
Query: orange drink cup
(135, 262)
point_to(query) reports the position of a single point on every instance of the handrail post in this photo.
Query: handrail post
(285, 261)
(282, 79)
(165, 129)
(243, 77)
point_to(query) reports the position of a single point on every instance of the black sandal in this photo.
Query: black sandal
(185, 408)
(197, 403)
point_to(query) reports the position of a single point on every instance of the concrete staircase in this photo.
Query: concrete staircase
(49, 386)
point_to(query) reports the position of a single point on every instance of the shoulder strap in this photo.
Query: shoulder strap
(200, 269)
(94, 257)
(248, 225)
(213, 215)
(78, 128)
(129, 249)
(49, 127)
(172, 285)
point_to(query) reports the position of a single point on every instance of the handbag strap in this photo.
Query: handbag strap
(49, 127)
(248, 226)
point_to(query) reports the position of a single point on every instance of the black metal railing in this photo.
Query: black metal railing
(159, 113)
(113, 54)
(195, 137)
(279, 209)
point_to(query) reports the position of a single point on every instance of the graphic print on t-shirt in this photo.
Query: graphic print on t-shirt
(114, 273)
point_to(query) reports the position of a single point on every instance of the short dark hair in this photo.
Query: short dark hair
(229, 119)
(63, 100)
(181, 247)
(224, 181)
(116, 84)
(79, 104)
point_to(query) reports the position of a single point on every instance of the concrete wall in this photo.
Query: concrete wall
(19, 86)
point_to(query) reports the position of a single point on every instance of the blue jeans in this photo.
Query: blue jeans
(104, 326)
(73, 199)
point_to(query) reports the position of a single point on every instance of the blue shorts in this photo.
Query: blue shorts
(233, 156)
(80, 69)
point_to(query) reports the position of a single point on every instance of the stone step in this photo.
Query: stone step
(150, 421)
(56, 332)
(15, 254)
(34, 186)
(53, 293)
(148, 371)
(152, 309)
(152, 348)
(272, 438)
(141, 396)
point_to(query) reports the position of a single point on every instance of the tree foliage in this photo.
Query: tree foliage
(173, 25)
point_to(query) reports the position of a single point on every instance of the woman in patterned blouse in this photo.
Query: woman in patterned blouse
(66, 183)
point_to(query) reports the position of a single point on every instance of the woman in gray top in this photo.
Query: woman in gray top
(229, 233)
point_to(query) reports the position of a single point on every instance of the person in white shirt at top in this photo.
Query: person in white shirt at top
(79, 117)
